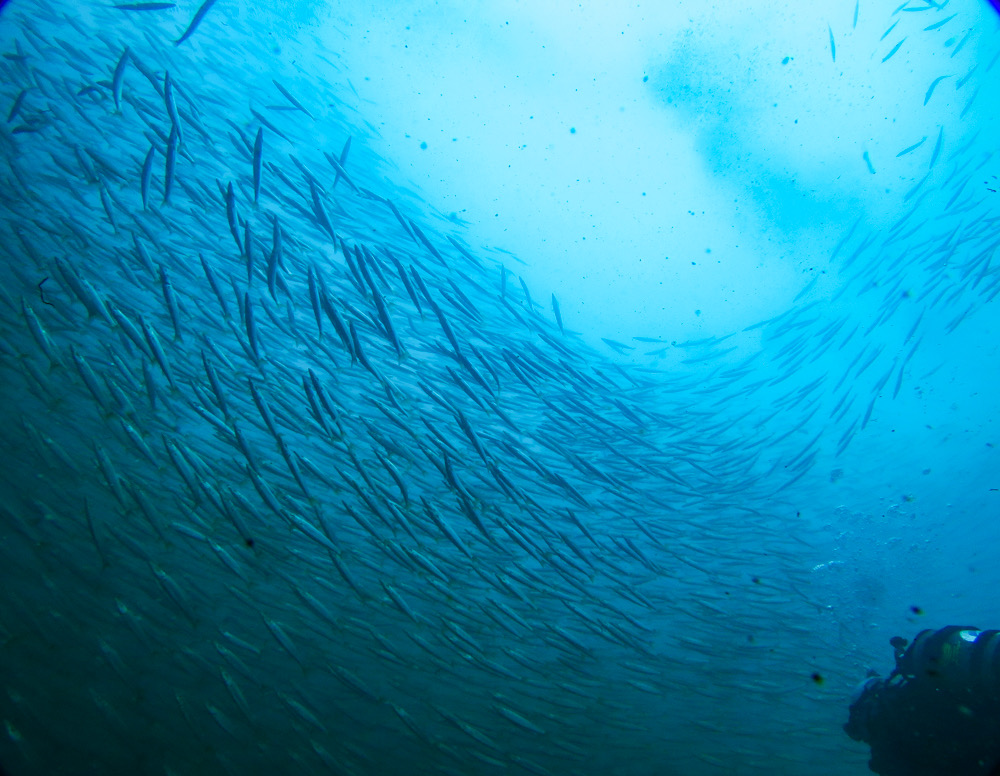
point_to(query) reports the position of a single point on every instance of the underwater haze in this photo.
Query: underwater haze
(488, 388)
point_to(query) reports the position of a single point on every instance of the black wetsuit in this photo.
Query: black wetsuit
(917, 729)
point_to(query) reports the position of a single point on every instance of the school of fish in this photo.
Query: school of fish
(299, 479)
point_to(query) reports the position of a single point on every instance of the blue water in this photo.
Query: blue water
(481, 390)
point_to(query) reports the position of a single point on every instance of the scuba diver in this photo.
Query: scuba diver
(938, 712)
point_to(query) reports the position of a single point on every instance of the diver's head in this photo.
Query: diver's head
(864, 703)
